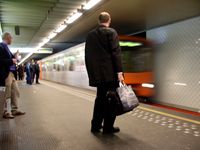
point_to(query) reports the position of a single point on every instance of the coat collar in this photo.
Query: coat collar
(102, 25)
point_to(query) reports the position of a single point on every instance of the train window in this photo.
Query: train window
(137, 58)
(66, 63)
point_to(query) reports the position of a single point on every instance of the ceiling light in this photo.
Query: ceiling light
(22, 49)
(44, 51)
(46, 40)
(26, 57)
(40, 45)
(43, 43)
(61, 28)
(91, 4)
(74, 17)
(52, 35)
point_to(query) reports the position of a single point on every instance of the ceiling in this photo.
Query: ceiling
(35, 18)
(131, 16)
(39, 17)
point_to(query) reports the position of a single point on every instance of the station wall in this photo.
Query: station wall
(177, 63)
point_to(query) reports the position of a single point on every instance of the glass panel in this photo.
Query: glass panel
(137, 59)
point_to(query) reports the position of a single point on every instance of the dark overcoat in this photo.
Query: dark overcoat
(5, 62)
(102, 56)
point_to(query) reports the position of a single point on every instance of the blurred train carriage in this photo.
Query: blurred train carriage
(137, 59)
(68, 67)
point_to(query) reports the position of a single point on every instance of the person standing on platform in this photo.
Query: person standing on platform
(37, 72)
(104, 67)
(32, 69)
(7, 79)
(20, 72)
(28, 73)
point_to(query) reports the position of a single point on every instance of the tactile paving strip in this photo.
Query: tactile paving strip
(168, 122)
(26, 140)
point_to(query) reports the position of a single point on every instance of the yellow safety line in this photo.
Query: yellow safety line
(170, 115)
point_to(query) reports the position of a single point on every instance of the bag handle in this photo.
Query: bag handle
(121, 84)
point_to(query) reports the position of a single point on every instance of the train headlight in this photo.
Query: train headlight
(148, 85)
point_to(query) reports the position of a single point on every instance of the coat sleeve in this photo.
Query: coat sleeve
(3, 60)
(115, 51)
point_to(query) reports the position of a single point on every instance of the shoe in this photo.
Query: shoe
(37, 82)
(96, 130)
(17, 113)
(7, 115)
(110, 131)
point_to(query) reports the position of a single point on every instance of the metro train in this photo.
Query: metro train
(68, 66)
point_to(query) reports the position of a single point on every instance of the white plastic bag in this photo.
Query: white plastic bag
(127, 96)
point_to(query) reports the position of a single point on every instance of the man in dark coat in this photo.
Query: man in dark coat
(37, 71)
(32, 69)
(104, 67)
(20, 72)
(28, 73)
(7, 79)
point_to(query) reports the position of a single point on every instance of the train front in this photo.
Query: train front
(137, 59)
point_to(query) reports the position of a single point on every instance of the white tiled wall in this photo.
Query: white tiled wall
(177, 63)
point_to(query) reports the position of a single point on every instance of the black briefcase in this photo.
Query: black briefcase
(115, 103)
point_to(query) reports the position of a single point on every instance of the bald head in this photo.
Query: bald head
(104, 17)
(7, 38)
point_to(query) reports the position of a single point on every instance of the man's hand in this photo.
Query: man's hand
(14, 61)
(121, 77)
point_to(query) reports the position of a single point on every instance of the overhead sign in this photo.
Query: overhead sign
(44, 51)
(129, 44)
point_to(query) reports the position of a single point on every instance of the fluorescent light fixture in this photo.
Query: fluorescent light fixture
(21, 49)
(26, 57)
(129, 44)
(91, 4)
(178, 83)
(44, 51)
(74, 17)
(147, 85)
(45, 41)
(42, 43)
(61, 28)
(52, 35)
(39, 52)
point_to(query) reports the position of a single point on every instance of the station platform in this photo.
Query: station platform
(58, 117)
